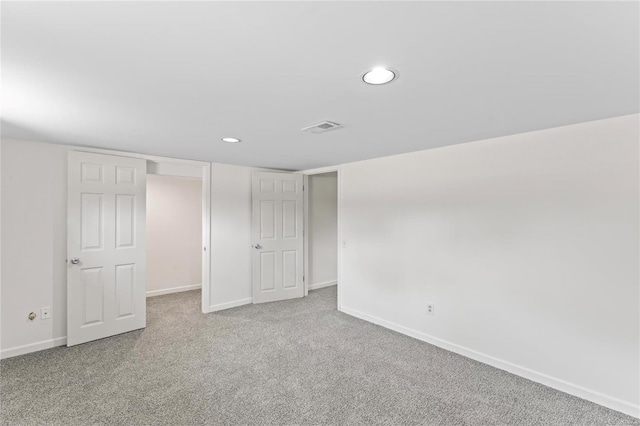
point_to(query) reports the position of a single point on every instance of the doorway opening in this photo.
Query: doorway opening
(174, 234)
(321, 230)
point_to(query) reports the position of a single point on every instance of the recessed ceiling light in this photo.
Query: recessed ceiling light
(231, 140)
(378, 75)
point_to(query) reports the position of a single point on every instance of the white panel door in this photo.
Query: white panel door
(277, 226)
(106, 234)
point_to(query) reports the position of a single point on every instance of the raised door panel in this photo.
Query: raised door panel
(289, 219)
(267, 219)
(125, 287)
(125, 220)
(92, 282)
(267, 186)
(92, 225)
(289, 187)
(125, 175)
(289, 268)
(267, 271)
(91, 173)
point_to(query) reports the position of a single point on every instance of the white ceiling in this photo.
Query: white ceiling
(172, 78)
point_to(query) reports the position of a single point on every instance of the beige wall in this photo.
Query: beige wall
(174, 234)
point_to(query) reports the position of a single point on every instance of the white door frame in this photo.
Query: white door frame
(306, 174)
(186, 168)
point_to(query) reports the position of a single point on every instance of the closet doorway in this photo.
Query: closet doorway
(321, 229)
(174, 234)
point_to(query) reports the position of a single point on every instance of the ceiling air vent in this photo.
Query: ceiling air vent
(323, 126)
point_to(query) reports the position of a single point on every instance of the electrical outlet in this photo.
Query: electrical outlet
(45, 313)
(431, 309)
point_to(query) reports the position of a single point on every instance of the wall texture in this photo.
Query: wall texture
(527, 245)
(174, 234)
(323, 229)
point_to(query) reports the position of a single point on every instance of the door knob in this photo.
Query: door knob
(74, 260)
(257, 246)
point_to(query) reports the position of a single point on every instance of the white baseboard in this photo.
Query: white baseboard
(322, 285)
(173, 290)
(60, 341)
(228, 305)
(553, 382)
(33, 347)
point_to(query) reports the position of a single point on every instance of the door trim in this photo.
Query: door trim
(306, 174)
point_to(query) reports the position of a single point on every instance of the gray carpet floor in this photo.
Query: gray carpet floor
(293, 362)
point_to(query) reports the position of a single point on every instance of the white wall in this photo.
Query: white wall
(231, 236)
(323, 230)
(527, 245)
(174, 234)
(34, 241)
(34, 244)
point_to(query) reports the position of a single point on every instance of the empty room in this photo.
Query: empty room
(320, 213)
